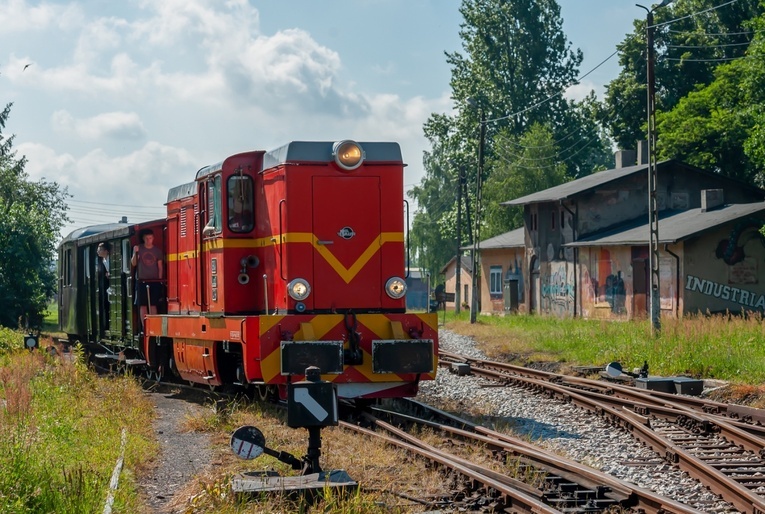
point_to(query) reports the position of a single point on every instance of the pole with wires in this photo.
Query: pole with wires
(653, 203)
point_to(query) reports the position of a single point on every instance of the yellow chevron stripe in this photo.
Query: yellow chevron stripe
(346, 274)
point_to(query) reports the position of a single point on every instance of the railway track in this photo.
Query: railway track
(721, 446)
(720, 449)
(551, 483)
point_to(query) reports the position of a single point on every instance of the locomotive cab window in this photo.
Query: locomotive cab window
(213, 225)
(240, 203)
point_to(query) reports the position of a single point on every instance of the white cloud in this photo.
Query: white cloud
(223, 57)
(117, 125)
(16, 16)
(141, 178)
(581, 90)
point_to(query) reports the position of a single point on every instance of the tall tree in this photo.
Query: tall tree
(517, 64)
(31, 216)
(524, 165)
(720, 126)
(691, 38)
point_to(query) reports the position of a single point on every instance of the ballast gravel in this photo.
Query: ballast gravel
(565, 429)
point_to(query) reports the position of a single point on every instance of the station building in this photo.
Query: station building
(583, 249)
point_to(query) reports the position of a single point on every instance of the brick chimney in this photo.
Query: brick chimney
(711, 199)
(624, 158)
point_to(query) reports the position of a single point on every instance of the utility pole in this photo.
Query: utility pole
(653, 203)
(458, 272)
(477, 230)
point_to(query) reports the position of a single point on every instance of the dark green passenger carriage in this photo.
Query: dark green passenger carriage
(94, 309)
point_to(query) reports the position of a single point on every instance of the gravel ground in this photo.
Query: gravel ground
(183, 454)
(573, 432)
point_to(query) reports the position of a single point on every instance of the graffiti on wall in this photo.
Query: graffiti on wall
(731, 250)
(747, 299)
(558, 289)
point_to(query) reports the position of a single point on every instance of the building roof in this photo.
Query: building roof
(513, 239)
(599, 178)
(467, 263)
(674, 226)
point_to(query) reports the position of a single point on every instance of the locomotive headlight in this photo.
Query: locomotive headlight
(348, 154)
(395, 287)
(299, 289)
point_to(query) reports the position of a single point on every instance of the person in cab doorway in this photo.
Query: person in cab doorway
(147, 259)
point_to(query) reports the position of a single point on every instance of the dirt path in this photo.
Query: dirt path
(183, 454)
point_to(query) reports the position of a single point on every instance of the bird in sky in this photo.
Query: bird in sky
(27, 66)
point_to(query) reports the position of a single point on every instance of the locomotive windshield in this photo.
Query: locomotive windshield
(240, 203)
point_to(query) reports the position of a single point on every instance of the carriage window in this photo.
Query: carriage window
(127, 253)
(68, 266)
(240, 203)
(86, 259)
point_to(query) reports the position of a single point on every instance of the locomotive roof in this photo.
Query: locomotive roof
(321, 151)
(182, 191)
(314, 151)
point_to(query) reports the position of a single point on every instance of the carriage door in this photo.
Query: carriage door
(347, 252)
(90, 285)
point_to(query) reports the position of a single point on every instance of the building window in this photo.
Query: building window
(552, 220)
(495, 280)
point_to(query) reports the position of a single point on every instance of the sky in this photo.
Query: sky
(120, 101)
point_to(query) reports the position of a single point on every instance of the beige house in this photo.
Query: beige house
(449, 271)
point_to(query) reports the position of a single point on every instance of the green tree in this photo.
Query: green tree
(524, 165)
(691, 38)
(720, 126)
(517, 60)
(31, 216)
(753, 84)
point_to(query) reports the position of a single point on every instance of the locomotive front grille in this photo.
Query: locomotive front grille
(298, 355)
(402, 356)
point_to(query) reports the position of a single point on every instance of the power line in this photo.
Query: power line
(749, 32)
(72, 200)
(693, 14)
(541, 102)
(721, 59)
(710, 46)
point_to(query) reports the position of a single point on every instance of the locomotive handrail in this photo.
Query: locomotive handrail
(407, 238)
(265, 292)
(281, 259)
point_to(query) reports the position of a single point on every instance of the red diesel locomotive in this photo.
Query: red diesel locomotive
(273, 262)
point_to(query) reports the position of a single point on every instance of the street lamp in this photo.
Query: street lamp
(653, 204)
(478, 193)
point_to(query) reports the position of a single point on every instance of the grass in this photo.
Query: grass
(376, 467)
(721, 347)
(60, 431)
(50, 319)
